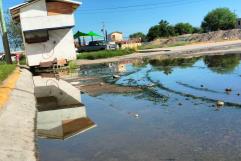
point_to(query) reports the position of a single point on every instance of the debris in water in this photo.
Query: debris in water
(116, 76)
(136, 115)
(75, 83)
(228, 90)
(180, 104)
(202, 86)
(220, 103)
(238, 94)
(151, 85)
(102, 84)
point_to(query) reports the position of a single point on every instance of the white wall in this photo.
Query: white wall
(34, 10)
(60, 46)
(47, 22)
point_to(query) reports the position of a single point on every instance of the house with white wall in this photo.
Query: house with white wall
(115, 36)
(47, 29)
(238, 23)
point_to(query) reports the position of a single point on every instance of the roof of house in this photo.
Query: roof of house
(15, 10)
(116, 32)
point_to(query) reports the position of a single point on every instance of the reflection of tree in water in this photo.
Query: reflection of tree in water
(140, 63)
(168, 65)
(222, 63)
(149, 94)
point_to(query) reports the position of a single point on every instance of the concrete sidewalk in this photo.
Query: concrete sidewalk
(17, 122)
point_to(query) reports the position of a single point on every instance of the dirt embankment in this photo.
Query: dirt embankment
(216, 36)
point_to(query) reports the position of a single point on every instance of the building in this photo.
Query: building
(47, 29)
(238, 24)
(115, 36)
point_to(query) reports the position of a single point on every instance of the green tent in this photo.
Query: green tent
(79, 34)
(93, 34)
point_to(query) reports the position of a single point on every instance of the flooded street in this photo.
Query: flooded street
(152, 110)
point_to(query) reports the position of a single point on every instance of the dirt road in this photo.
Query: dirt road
(227, 47)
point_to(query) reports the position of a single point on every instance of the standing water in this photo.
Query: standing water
(173, 117)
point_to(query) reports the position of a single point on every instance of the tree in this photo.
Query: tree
(138, 35)
(165, 29)
(219, 19)
(197, 30)
(14, 34)
(183, 28)
(153, 33)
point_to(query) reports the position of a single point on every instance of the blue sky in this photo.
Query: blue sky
(130, 16)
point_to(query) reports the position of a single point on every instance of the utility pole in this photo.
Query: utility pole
(103, 30)
(5, 35)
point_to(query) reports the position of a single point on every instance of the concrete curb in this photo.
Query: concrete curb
(17, 122)
(8, 86)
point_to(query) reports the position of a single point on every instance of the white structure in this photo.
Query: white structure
(63, 123)
(47, 29)
(115, 36)
(238, 23)
(61, 114)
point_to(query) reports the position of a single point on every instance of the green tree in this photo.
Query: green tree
(165, 29)
(153, 33)
(14, 34)
(138, 35)
(219, 19)
(183, 28)
(197, 30)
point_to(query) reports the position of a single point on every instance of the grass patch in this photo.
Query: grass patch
(104, 54)
(6, 70)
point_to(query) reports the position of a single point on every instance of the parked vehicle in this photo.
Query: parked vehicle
(93, 46)
(98, 45)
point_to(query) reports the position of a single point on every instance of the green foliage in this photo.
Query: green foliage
(153, 33)
(184, 28)
(14, 34)
(197, 30)
(163, 29)
(23, 60)
(219, 19)
(72, 65)
(6, 70)
(138, 35)
(104, 54)
(222, 63)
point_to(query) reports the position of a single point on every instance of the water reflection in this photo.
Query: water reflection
(168, 65)
(63, 123)
(60, 116)
(222, 64)
(177, 117)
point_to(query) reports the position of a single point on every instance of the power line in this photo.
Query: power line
(144, 8)
(131, 6)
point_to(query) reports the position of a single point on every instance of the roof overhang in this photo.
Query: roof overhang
(15, 10)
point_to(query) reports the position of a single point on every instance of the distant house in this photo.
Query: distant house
(238, 24)
(47, 29)
(115, 36)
